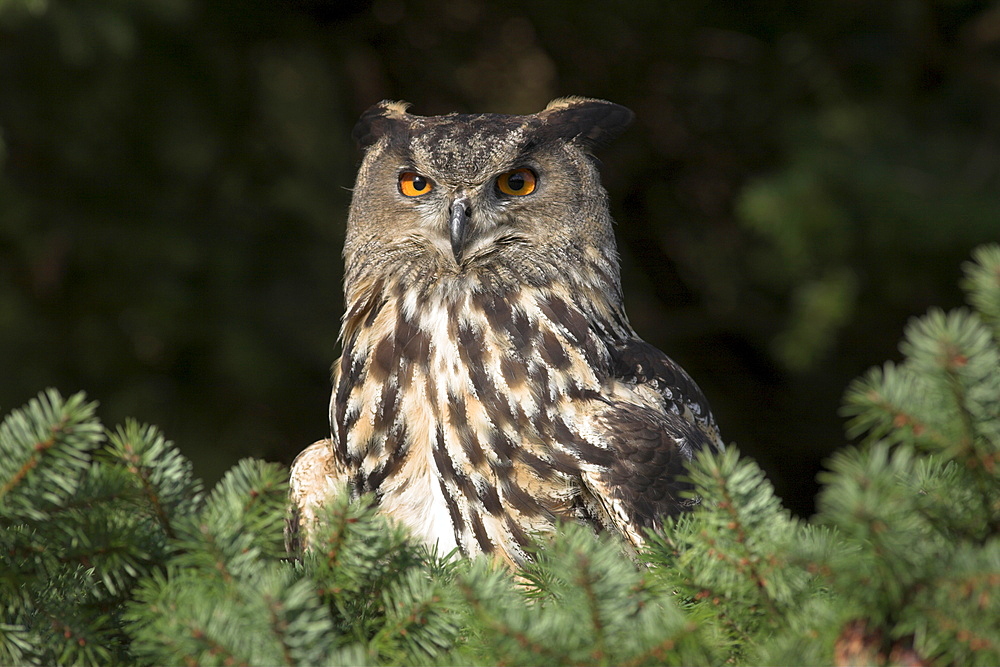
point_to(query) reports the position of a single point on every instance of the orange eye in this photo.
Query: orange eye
(413, 184)
(517, 182)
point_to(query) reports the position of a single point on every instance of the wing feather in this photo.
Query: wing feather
(636, 362)
(651, 443)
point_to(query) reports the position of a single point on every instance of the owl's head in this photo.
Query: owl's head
(460, 191)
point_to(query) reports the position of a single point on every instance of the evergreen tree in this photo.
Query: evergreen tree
(111, 553)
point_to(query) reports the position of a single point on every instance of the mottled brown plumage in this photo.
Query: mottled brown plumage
(490, 383)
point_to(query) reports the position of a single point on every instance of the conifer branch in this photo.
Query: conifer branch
(279, 627)
(494, 624)
(203, 636)
(585, 581)
(730, 621)
(973, 641)
(143, 474)
(747, 562)
(39, 449)
(657, 654)
(48, 428)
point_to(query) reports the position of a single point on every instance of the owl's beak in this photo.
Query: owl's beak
(458, 225)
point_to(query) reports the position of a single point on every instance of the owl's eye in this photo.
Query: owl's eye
(413, 184)
(517, 182)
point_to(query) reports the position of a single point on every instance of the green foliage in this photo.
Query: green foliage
(227, 596)
(111, 553)
(378, 585)
(589, 605)
(731, 558)
(982, 282)
(83, 518)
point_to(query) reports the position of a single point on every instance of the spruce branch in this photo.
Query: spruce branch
(357, 555)
(957, 359)
(731, 555)
(17, 644)
(162, 475)
(594, 607)
(956, 617)
(864, 498)
(279, 627)
(44, 447)
(421, 621)
(884, 404)
(241, 522)
(585, 580)
(950, 378)
(982, 284)
(503, 617)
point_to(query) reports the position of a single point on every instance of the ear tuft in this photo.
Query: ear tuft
(588, 122)
(386, 117)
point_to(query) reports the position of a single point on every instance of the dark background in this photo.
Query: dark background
(801, 179)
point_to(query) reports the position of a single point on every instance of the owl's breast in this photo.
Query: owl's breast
(461, 412)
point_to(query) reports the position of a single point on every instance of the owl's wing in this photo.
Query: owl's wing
(640, 483)
(636, 362)
(313, 477)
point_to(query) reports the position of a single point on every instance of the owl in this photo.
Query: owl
(490, 384)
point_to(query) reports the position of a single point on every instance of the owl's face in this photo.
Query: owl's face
(460, 190)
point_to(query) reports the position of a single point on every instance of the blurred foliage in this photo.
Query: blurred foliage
(175, 176)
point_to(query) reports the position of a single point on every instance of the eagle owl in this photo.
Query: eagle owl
(490, 383)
